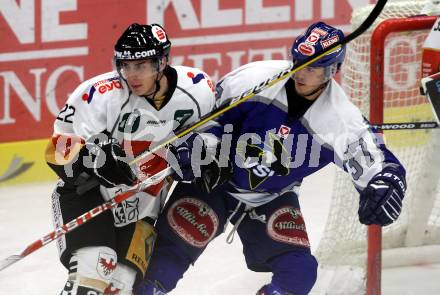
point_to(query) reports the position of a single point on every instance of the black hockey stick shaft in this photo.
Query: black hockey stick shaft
(234, 101)
(406, 126)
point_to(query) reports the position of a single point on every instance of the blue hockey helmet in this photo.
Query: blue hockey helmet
(318, 37)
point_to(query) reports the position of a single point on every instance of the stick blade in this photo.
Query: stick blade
(4, 263)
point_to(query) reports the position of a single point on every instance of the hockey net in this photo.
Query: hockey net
(415, 237)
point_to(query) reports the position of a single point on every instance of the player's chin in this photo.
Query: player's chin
(138, 90)
(303, 89)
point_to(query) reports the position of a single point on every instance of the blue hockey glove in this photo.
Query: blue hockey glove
(182, 150)
(207, 176)
(381, 201)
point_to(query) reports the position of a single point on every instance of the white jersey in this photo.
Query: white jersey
(105, 103)
(276, 142)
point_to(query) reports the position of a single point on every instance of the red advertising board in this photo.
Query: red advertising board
(49, 46)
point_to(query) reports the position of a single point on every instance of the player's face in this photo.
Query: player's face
(139, 74)
(308, 79)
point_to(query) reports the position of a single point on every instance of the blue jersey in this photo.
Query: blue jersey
(276, 141)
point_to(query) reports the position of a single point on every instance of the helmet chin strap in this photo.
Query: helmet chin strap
(159, 76)
(156, 87)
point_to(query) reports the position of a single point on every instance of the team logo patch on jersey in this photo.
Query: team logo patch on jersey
(194, 221)
(263, 162)
(112, 289)
(102, 87)
(182, 116)
(129, 122)
(284, 131)
(89, 96)
(287, 225)
(196, 78)
(126, 211)
(106, 264)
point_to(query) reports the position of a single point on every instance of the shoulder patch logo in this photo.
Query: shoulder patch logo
(106, 264)
(199, 77)
(89, 96)
(283, 131)
(196, 78)
(102, 86)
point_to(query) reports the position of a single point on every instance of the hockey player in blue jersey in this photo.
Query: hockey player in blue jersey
(277, 138)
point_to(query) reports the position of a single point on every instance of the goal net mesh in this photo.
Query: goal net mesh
(344, 241)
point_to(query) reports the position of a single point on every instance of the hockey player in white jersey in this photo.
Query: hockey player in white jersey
(285, 133)
(107, 120)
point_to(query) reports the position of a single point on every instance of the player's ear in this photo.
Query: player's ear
(163, 63)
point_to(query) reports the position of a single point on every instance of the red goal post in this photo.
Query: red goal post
(377, 98)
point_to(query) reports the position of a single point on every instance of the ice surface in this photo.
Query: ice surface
(25, 217)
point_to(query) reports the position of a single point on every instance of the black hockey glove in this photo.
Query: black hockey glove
(381, 201)
(103, 157)
(215, 173)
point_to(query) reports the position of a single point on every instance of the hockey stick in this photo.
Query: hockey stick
(234, 101)
(80, 220)
(430, 88)
(406, 126)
